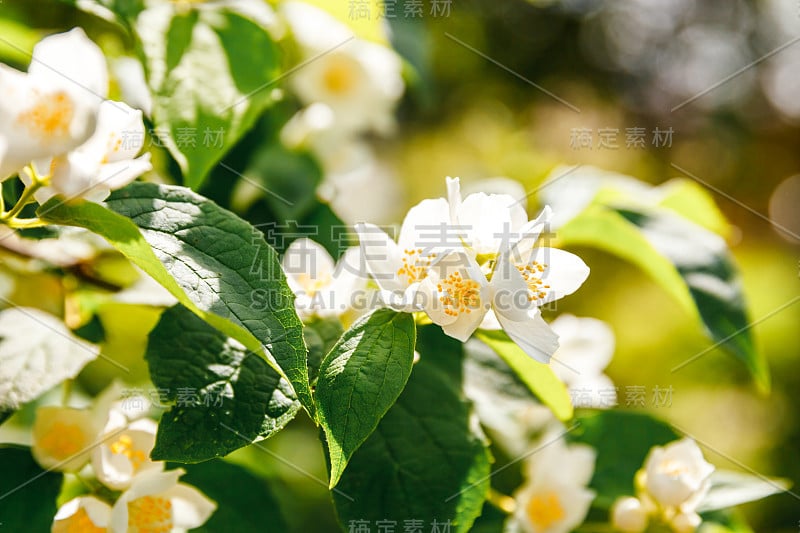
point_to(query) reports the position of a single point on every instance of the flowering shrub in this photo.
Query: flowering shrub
(419, 358)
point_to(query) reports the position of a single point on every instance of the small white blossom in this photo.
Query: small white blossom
(677, 475)
(323, 288)
(105, 162)
(555, 497)
(628, 515)
(126, 451)
(85, 514)
(360, 81)
(63, 437)
(156, 501)
(53, 108)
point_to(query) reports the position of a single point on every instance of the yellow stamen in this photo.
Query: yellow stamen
(63, 441)
(150, 514)
(544, 510)
(50, 116)
(124, 446)
(459, 295)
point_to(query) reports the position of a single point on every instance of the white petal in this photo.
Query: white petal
(382, 257)
(427, 227)
(492, 221)
(595, 391)
(305, 259)
(73, 61)
(532, 334)
(586, 347)
(465, 325)
(564, 272)
(453, 197)
(74, 174)
(119, 134)
(529, 234)
(118, 174)
(98, 511)
(190, 507)
(510, 296)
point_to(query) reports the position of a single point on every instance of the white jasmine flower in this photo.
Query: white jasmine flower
(628, 515)
(323, 288)
(105, 162)
(85, 514)
(555, 497)
(52, 109)
(63, 437)
(677, 475)
(586, 346)
(127, 453)
(156, 501)
(359, 80)
(400, 268)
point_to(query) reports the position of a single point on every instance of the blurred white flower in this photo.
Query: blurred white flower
(85, 514)
(105, 162)
(555, 497)
(63, 437)
(53, 108)
(323, 288)
(677, 475)
(628, 515)
(359, 80)
(126, 451)
(586, 346)
(156, 501)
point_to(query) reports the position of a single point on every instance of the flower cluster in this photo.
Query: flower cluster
(135, 493)
(57, 129)
(670, 487)
(470, 263)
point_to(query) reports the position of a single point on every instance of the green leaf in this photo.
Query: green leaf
(729, 489)
(289, 180)
(426, 460)
(210, 72)
(226, 397)
(606, 229)
(217, 265)
(707, 269)
(622, 440)
(690, 262)
(321, 334)
(244, 501)
(27, 493)
(360, 379)
(538, 377)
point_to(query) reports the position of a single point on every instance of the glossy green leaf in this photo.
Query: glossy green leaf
(224, 396)
(426, 461)
(215, 264)
(538, 377)
(709, 273)
(27, 492)
(360, 379)
(211, 71)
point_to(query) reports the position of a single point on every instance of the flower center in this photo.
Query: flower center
(674, 468)
(150, 514)
(63, 441)
(415, 265)
(78, 523)
(50, 115)
(459, 295)
(313, 285)
(339, 77)
(124, 446)
(532, 274)
(544, 510)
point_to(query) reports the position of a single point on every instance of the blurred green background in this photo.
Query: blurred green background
(501, 88)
